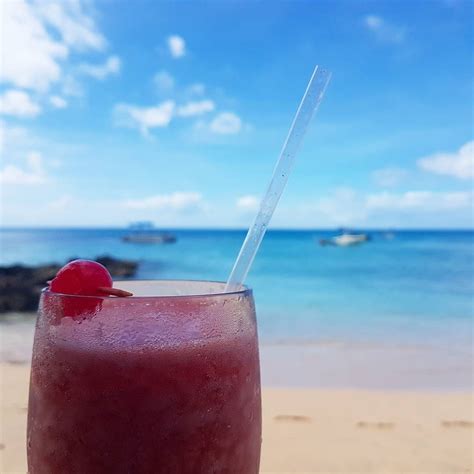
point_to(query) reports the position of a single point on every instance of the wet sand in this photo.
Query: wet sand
(316, 430)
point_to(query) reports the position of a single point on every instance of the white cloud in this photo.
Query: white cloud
(35, 161)
(226, 123)
(34, 61)
(383, 30)
(33, 174)
(459, 164)
(10, 135)
(389, 177)
(11, 174)
(428, 201)
(76, 28)
(163, 81)
(348, 207)
(55, 163)
(176, 46)
(43, 33)
(196, 89)
(58, 102)
(341, 206)
(19, 104)
(160, 115)
(248, 203)
(192, 109)
(100, 71)
(71, 86)
(177, 201)
(60, 204)
(373, 22)
(144, 118)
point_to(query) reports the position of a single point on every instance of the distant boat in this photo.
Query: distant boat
(145, 233)
(346, 239)
(388, 235)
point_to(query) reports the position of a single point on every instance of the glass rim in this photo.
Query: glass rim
(243, 291)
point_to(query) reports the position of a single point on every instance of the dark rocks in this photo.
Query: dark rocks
(20, 286)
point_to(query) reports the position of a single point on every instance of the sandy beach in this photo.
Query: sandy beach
(316, 430)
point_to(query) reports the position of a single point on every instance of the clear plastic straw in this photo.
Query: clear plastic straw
(308, 106)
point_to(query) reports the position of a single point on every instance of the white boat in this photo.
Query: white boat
(144, 233)
(345, 239)
(149, 238)
(388, 235)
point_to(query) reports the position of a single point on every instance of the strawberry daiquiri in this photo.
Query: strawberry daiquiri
(165, 381)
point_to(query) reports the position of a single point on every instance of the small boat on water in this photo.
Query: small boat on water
(388, 235)
(145, 233)
(150, 239)
(346, 239)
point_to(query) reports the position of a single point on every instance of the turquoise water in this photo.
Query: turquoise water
(415, 288)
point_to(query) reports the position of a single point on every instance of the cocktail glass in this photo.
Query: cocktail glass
(165, 381)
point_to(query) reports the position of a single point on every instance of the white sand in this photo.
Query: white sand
(310, 430)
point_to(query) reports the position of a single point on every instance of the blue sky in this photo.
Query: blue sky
(175, 112)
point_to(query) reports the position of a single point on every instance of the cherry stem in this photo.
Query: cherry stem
(114, 291)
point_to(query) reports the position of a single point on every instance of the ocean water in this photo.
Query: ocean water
(415, 288)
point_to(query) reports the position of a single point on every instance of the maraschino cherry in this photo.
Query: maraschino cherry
(81, 277)
(84, 278)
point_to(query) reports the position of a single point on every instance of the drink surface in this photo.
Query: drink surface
(146, 389)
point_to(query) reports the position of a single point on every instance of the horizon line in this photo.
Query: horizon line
(244, 229)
